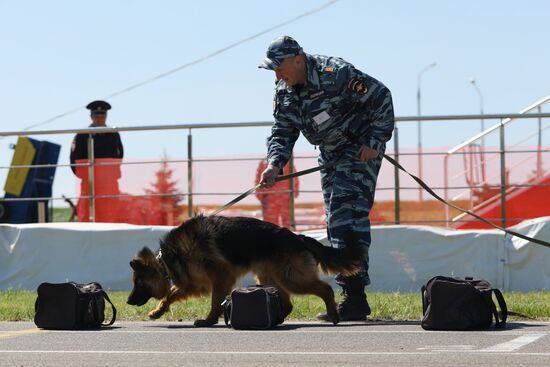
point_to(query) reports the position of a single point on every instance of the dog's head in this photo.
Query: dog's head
(149, 279)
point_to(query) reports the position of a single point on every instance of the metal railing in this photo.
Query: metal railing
(476, 146)
(190, 159)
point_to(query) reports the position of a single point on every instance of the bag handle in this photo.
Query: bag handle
(104, 294)
(226, 306)
(503, 309)
(491, 304)
(424, 299)
(500, 322)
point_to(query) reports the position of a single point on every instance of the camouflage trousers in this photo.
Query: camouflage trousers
(348, 192)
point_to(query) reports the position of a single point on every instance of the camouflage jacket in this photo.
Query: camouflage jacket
(338, 105)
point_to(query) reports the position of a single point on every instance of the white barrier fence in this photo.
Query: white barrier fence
(402, 258)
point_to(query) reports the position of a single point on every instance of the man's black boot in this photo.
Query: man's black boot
(354, 306)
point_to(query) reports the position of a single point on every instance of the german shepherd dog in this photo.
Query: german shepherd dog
(208, 254)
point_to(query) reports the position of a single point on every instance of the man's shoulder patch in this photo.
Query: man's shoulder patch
(358, 86)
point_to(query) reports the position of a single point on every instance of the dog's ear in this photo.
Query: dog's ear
(137, 265)
(145, 253)
(146, 256)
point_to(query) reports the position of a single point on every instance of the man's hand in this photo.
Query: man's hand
(366, 153)
(268, 176)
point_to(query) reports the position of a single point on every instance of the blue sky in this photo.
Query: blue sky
(59, 55)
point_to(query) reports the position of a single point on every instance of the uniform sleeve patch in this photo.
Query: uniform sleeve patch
(358, 86)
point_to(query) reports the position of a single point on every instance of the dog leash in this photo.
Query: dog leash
(396, 164)
(431, 192)
(277, 179)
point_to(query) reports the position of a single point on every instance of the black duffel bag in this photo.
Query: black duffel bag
(461, 304)
(69, 306)
(254, 307)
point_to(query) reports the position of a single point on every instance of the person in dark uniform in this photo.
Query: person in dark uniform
(108, 153)
(106, 145)
(349, 115)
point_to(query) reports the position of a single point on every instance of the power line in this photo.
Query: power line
(191, 63)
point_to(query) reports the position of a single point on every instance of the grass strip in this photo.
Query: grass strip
(395, 306)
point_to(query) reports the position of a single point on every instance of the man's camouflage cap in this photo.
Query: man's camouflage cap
(280, 49)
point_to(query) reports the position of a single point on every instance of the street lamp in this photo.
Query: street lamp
(418, 98)
(482, 126)
(473, 82)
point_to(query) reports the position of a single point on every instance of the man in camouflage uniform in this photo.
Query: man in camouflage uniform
(349, 115)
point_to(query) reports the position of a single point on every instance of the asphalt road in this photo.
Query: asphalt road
(161, 344)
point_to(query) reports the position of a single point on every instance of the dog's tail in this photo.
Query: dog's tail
(346, 261)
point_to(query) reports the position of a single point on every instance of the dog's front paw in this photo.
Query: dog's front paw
(161, 309)
(204, 323)
(156, 313)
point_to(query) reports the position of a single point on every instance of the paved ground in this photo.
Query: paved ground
(293, 344)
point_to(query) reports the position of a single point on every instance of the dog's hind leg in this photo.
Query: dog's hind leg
(318, 288)
(221, 287)
(285, 302)
(325, 292)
